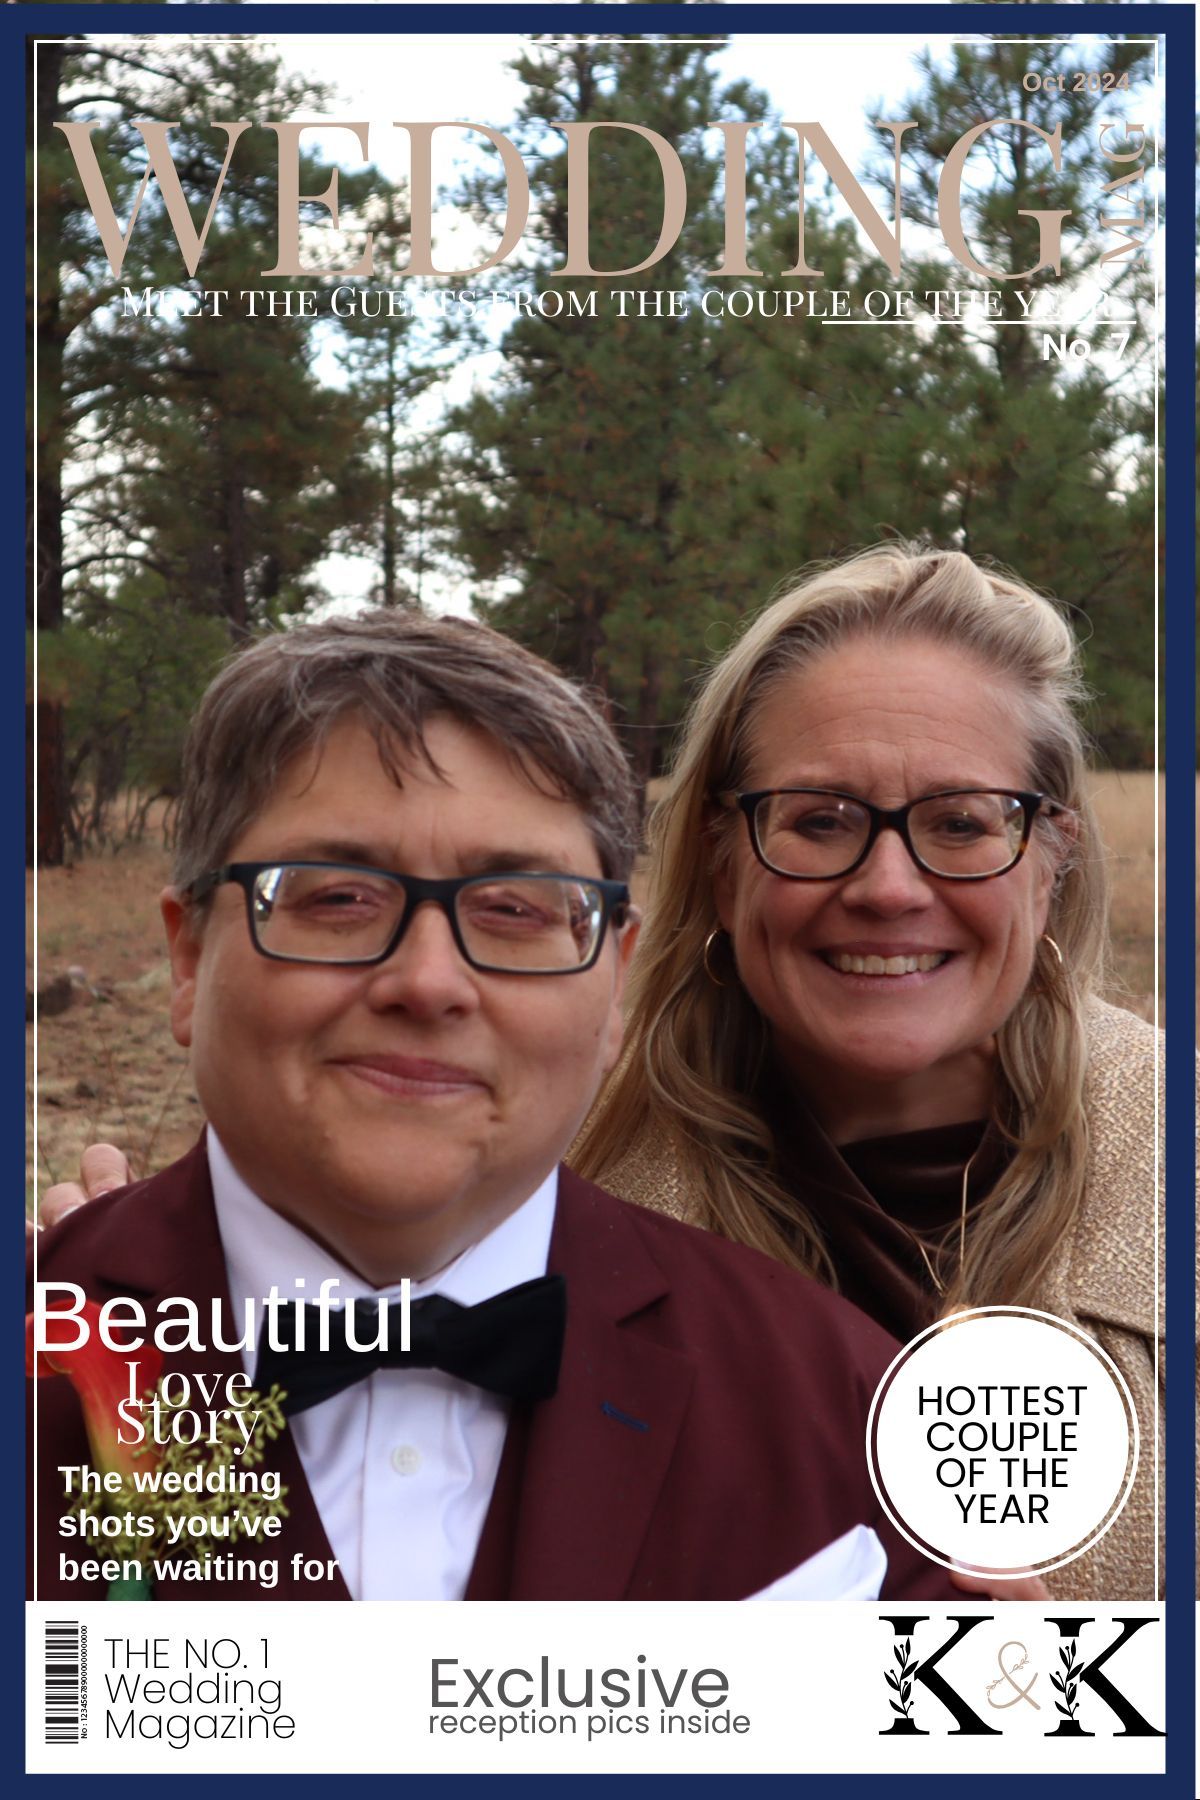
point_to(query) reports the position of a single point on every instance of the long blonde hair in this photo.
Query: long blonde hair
(696, 1050)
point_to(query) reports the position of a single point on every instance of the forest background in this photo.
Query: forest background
(618, 493)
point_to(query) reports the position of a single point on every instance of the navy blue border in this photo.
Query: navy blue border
(1179, 700)
(806, 16)
(1177, 23)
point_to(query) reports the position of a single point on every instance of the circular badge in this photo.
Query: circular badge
(1002, 1440)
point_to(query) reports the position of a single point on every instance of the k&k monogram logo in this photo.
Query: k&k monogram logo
(1086, 1699)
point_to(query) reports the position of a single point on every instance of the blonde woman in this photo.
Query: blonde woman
(866, 1031)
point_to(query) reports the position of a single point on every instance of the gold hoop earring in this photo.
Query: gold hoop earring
(716, 932)
(1053, 983)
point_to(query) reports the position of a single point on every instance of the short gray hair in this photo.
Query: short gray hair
(394, 671)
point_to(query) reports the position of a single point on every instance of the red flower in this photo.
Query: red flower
(102, 1378)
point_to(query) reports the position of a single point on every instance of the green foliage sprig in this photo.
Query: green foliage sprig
(223, 1510)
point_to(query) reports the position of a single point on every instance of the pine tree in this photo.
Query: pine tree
(231, 464)
(402, 528)
(1043, 466)
(582, 455)
(207, 468)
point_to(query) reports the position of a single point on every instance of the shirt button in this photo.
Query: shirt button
(406, 1459)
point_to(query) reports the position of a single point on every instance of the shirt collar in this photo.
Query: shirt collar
(265, 1251)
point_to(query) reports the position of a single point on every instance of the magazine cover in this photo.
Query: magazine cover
(594, 970)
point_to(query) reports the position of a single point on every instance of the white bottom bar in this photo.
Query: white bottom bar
(520, 1688)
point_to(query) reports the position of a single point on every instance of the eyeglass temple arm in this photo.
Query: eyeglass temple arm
(203, 885)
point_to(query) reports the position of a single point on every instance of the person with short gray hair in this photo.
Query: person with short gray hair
(394, 670)
(399, 928)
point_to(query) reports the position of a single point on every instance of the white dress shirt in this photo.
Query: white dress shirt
(402, 1464)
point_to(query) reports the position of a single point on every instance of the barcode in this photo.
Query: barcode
(66, 1681)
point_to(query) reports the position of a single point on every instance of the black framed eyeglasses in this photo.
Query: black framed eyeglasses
(962, 834)
(352, 915)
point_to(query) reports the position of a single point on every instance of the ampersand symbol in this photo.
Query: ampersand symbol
(1006, 1674)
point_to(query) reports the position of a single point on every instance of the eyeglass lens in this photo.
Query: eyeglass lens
(953, 834)
(532, 924)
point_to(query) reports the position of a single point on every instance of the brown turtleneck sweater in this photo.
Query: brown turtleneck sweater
(873, 1200)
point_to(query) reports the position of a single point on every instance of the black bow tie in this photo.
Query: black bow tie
(510, 1345)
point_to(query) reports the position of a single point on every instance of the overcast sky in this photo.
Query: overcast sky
(833, 78)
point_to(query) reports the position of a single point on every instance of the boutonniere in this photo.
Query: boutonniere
(170, 1494)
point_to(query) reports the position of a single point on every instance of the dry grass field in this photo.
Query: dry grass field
(1126, 807)
(107, 1067)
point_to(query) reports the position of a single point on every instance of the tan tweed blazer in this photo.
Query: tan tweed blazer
(1106, 1278)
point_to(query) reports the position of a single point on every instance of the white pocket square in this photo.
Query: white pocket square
(851, 1568)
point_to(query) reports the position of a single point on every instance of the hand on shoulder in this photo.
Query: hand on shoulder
(102, 1168)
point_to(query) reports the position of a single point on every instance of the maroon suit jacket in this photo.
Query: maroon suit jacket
(706, 1436)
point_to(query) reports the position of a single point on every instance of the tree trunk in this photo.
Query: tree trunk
(644, 749)
(389, 476)
(233, 560)
(44, 774)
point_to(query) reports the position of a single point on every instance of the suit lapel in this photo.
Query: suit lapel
(581, 1473)
(179, 1255)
